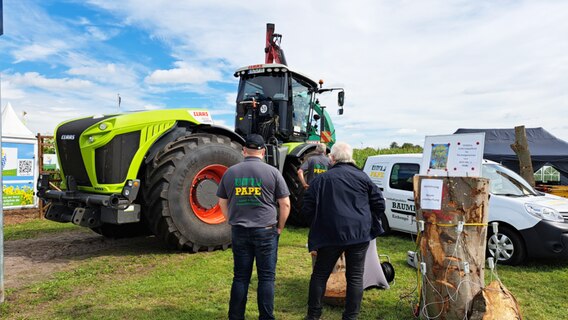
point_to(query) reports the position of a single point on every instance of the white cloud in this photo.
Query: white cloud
(184, 73)
(11, 92)
(409, 68)
(34, 52)
(223, 123)
(100, 34)
(105, 73)
(406, 131)
(34, 79)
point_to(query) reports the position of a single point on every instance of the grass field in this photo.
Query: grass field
(163, 284)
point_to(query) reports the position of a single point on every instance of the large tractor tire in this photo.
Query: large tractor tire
(180, 191)
(290, 174)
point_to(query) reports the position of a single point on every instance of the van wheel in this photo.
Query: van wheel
(506, 246)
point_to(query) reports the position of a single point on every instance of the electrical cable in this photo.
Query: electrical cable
(459, 242)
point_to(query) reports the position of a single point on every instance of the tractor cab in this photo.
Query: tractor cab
(281, 105)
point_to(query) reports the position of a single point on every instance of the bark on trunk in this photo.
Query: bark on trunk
(447, 288)
(521, 148)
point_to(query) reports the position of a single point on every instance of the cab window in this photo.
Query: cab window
(402, 175)
(301, 99)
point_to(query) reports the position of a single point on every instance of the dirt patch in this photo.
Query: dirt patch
(19, 216)
(29, 260)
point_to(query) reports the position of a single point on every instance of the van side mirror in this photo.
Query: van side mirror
(341, 98)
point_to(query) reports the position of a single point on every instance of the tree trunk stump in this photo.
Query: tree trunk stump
(447, 289)
(521, 148)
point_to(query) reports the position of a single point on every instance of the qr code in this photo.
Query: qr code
(25, 168)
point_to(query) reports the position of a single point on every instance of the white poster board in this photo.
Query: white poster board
(431, 194)
(456, 155)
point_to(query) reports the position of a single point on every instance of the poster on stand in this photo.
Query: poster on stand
(456, 155)
(19, 172)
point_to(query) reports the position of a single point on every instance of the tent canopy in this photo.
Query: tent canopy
(543, 146)
(12, 126)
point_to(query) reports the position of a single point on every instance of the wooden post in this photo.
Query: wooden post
(42, 143)
(521, 148)
(447, 288)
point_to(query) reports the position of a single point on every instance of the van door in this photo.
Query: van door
(376, 169)
(399, 197)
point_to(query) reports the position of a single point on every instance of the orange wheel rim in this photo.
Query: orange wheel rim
(202, 194)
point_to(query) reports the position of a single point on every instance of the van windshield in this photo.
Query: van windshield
(503, 181)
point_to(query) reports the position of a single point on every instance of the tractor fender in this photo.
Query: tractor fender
(213, 129)
(181, 128)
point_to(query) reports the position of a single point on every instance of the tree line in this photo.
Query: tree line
(360, 155)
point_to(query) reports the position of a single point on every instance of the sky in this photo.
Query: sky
(409, 68)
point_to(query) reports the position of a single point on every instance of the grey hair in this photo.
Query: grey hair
(342, 152)
(321, 148)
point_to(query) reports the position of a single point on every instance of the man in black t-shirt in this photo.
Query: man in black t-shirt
(316, 164)
(248, 194)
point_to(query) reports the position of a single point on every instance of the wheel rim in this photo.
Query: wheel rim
(501, 247)
(202, 194)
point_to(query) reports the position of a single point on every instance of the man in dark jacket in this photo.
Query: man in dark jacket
(344, 207)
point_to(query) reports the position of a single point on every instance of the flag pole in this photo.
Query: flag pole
(1, 182)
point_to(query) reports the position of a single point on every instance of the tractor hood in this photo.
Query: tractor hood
(100, 152)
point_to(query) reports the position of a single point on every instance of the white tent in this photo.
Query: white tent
(20, 166)
(12, 126)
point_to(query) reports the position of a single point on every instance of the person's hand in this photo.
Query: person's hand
(279, 230)
(306, 186)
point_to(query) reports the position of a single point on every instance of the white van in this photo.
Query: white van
(531, 223)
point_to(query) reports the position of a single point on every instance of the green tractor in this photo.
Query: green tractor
(158, 171)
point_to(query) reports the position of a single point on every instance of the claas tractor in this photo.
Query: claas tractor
(157, 171)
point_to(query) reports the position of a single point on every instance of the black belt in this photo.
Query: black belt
(267, 227)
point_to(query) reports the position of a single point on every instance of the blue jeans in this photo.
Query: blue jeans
(355, 265)
(250, 244)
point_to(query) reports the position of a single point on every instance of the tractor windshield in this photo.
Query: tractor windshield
(301, 97)
(263, 86)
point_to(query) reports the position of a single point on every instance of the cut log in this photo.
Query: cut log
(454, 260)
(495, 302)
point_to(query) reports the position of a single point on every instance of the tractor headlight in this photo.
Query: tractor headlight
(543, 212)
